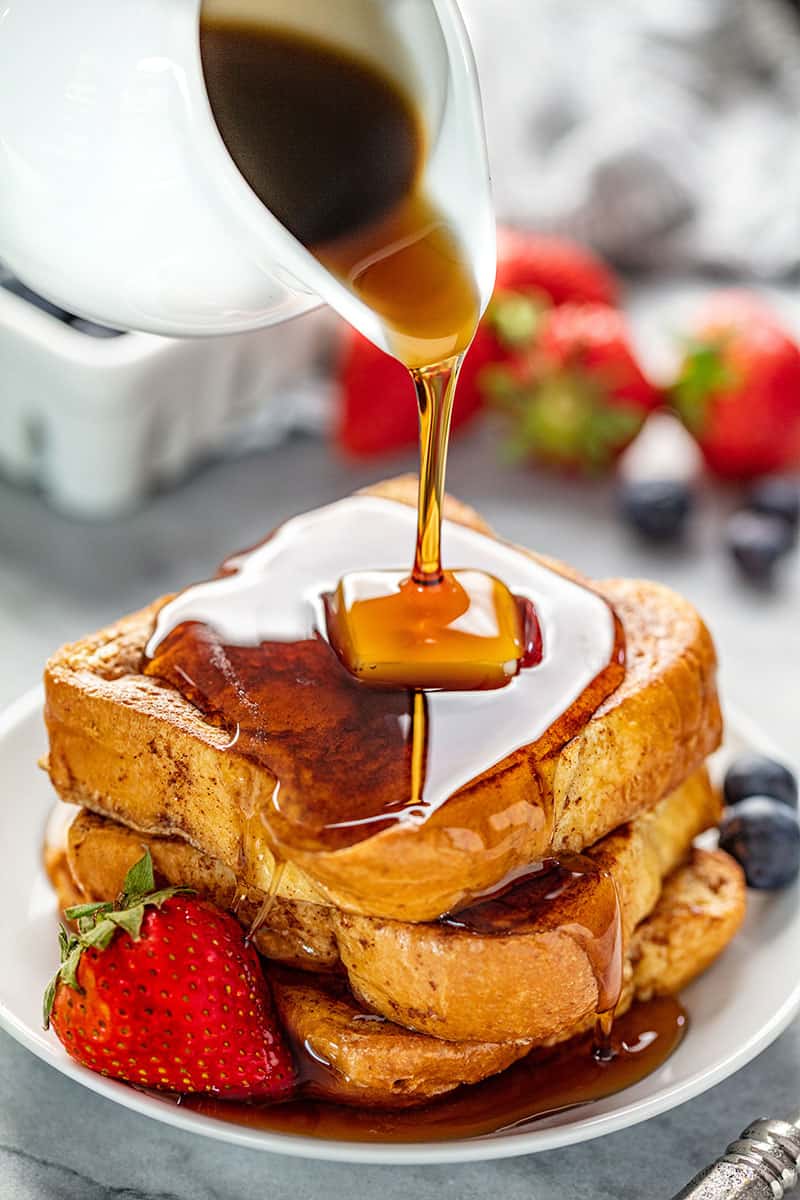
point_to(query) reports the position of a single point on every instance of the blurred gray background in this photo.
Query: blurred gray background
(663, 132)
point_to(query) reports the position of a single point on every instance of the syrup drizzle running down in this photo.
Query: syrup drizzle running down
(541, 1085)
(577, 898)
(580, 900)
(262, 915)
(249, 649)
(435, 395)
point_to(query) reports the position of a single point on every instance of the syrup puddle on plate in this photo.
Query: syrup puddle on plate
(545, 1083)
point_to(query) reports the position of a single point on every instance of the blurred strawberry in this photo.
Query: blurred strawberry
(557, 268)
(738, 390)
(578, 396)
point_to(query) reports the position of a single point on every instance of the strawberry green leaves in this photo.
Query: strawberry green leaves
(98, 922)
(705, 373)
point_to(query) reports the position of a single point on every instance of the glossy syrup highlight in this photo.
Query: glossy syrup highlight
(571, 895)
(249, 649)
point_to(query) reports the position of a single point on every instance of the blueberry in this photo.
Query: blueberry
(93, 330)
(17, 288)
(656, 508)
(763, 836)
(757, 543)
(757, 775)
(777, 497)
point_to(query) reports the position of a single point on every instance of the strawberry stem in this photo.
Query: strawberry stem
(563, 416)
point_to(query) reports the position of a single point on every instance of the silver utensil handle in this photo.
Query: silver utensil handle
(760, 1165)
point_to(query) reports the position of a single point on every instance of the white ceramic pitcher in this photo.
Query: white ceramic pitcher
(119, 200)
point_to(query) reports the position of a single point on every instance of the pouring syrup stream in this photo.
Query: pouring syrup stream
(436, 389)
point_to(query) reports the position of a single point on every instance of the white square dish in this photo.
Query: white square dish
(98, 422)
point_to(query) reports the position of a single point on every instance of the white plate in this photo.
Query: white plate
(735, 1010)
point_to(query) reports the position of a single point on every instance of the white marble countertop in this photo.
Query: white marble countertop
(60, 578)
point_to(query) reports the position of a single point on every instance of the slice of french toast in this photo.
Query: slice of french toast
(372, 1061)
(534, 977)
(380, 1063)
(533, 982)
(127, 746)
(295, 931)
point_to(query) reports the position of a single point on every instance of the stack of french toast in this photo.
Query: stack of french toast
(381, 977)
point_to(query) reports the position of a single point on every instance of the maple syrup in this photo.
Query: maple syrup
(465, 667)
(250, 649)
(337, 152)
(574, 896)
(386, 623)
(543, 1084)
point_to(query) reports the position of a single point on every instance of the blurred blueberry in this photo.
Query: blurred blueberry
(656, 508)
(757, 543)
(93, 330)
(763, 836)
(757, 775)
(777, 497)
(15, 286)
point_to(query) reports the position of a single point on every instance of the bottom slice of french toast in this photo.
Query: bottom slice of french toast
(372, 1061)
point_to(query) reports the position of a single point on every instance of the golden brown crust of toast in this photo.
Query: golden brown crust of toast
(701, 908)
(62, 878)
(462, 986)
(372, 1061)
(537, 982)
(124, 745)
(375, 1062)
(100, 852)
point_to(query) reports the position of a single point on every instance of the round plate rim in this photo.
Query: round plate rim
(513, 1145)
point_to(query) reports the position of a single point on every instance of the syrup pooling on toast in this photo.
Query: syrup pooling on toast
(577, 899)
(250, 650)
(337, 151)
(544, 1083)
(447, 630)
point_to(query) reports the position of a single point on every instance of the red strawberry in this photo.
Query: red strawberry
(578, 396)
(559, 269)
(161, 990)
(378, 411)
(738, 390)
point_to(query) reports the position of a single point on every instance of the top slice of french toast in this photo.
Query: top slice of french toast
(128, 746)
